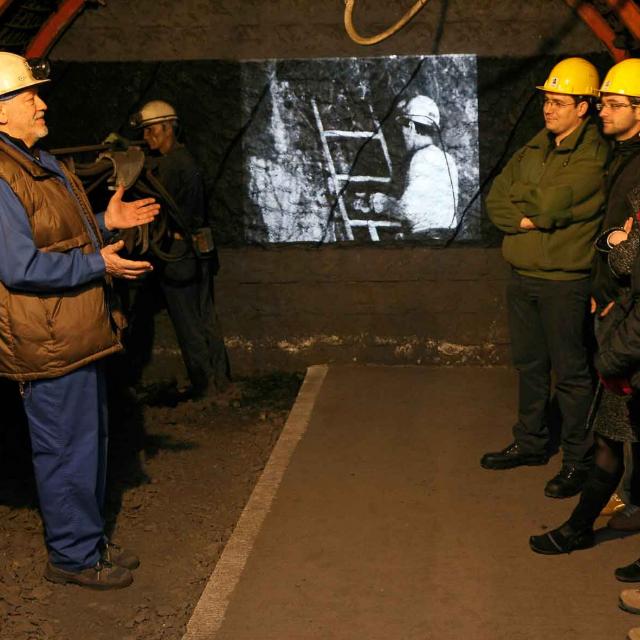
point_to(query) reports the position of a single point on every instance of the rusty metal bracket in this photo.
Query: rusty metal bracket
(629, 13)
(127, 166)
(600, 27)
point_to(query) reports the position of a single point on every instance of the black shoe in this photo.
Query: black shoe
(629, 573)
(512, 456)
(567, 483)
(561, 540)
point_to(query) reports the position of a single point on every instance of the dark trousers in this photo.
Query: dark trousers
(548, 321)
(191, 309)
(190, 303)
(68, 427)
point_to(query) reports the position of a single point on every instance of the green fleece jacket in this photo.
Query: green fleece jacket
(561, 189)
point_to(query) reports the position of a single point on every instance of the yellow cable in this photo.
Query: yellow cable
(356, 37)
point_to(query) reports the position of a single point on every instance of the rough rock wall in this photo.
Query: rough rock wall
(287, 307)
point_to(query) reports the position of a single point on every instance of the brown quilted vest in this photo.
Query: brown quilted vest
(47, 335)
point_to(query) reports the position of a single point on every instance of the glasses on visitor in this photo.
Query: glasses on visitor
(556, 104)
(614, 106)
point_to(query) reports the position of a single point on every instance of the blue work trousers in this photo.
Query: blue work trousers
(68, 426)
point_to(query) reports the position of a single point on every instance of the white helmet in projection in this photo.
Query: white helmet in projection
(423, 110)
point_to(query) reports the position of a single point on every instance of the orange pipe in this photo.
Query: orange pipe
(4, 5)
(629, 13)
(599, 26)
(53, 28)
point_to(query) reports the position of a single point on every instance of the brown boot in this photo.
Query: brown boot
(630, 600)
(614, 505)
(114, 554)
(626, 520)
(102, 576)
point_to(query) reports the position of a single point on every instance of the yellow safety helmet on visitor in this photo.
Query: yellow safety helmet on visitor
(623, 78)
(18, 73)
(152, 113)
(573, 76)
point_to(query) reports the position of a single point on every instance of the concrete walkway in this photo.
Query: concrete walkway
(374, 520)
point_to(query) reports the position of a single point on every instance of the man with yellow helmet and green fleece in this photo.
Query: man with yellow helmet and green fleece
(548, 202)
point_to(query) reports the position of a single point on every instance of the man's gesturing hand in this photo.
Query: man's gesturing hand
(119, 267)
(124, 215)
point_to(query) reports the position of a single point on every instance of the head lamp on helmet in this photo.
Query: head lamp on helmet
(18, 73)
(40, 68)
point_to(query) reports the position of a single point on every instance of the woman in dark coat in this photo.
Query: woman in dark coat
(616, 406)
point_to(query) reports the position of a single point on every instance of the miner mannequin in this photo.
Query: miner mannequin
(55, 273)
(186, 283)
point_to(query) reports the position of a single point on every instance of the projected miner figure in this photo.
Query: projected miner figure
(430, 197)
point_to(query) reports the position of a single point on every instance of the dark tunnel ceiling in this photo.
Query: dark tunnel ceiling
(21, 21)
(31, 27)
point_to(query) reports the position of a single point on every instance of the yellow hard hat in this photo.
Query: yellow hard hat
(17, 73)
(623, 78)
(573, 76)
(152, 113)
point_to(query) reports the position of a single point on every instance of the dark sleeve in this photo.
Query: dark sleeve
(191, 199)
(619, 351)
(501, 209)
(181, 177)
(622, 256)
(572, 195)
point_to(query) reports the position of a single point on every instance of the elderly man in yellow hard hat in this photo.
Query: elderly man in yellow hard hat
(56, 327)
(548, 202)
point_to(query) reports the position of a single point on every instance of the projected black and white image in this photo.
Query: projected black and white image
(361, 149)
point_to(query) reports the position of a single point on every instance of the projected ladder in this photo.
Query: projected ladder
(338, 180)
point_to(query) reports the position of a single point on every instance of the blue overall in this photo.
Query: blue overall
(68, 427)
(67, 415)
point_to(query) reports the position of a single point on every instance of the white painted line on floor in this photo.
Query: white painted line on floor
(211, 608)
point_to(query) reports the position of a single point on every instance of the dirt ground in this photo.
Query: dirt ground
(179, 477)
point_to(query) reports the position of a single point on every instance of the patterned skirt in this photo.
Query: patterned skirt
(617, 417)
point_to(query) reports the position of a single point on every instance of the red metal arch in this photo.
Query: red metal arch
(4, 5)
(53, 28)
